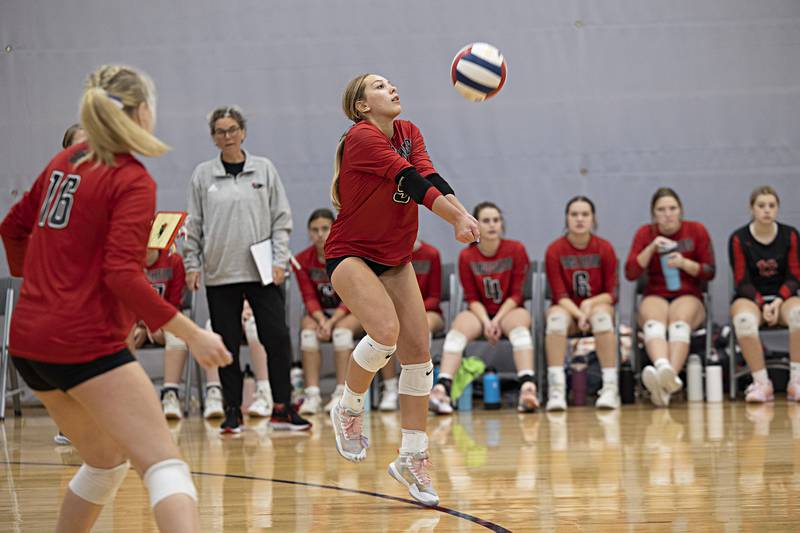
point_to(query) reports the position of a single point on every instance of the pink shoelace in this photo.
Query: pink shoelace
(352, 426)
(419, 467)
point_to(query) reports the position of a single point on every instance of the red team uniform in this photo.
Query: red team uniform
(81, 233)
(377, 220)
(491, 280)
(693, 243)
(314, 283)
(428, 268)
(762, 272)
(168, 277)
(579, 274)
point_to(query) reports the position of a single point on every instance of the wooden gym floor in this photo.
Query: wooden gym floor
(694, 467)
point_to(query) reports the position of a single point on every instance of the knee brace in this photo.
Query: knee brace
(556, 324)
(342, 339)
(171, 342)
(520, 339)
(98, 485)
(793, 320)
(601, 322)
(372, 355)
(745, 325)
(308, 340)
(416, 380)
(250, 330)
(653, 329)
(454, 342)
(167, 478)
(680, 331)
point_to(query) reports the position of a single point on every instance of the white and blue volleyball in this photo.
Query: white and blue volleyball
(478, 71)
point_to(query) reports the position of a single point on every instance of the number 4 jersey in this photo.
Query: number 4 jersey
(490, 280)
(580, 273)
(82, 233)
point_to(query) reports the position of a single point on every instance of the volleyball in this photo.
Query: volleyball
(478, 71)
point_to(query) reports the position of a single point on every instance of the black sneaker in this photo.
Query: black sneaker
(233, 421)
(286, 418)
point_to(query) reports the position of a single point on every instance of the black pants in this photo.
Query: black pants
(225, 304)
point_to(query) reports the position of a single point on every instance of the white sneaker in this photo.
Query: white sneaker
(412, 471)
(213, 403)
(262, 402)
(334, 401)
(62, 440)
(171, 405)
(669, 379)
(608, 397)
(312, 404)
(388, 401)
(658, 396)
(439, 402)
(556, 397)
(351, 443)
(528, 400)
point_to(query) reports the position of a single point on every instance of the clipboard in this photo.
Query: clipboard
(262, 255)
(165, 228)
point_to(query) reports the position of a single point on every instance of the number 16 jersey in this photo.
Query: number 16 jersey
(491, 280)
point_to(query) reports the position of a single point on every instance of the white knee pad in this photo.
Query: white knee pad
(454, 342)
(520, 339)
(793, 320)
(250, 330)
(342, 339)
(745, 325)
(169, 477)
(308, 340)
(653, 329)
(601, 322)
(98, 485)
(416, 380)
(171, 342)
(680, 331)
(372, 355)
(556, 324)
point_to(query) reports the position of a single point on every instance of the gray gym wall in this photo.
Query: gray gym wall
(609, 99)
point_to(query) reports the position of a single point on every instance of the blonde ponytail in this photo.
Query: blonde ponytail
(353, 92)
(111, 97)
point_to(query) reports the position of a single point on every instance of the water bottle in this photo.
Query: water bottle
(627, 385)
(248, 387)
(714, 383)
(694, 378)
(578, 380)
(491, 389)
(297, 381)
(465, 400)
(672, 275)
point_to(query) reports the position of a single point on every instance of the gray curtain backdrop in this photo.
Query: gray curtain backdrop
(609, 99)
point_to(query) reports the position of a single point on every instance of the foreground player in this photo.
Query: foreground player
(80, 234)
(381, 165)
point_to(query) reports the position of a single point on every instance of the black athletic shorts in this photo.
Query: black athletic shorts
(43, 376)
(331, 264)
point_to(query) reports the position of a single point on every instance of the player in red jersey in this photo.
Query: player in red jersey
(427, 265)
(94, 204)
(582, 273)
(492, 273)
(766, 274)
(381, 172)
(165, 271)
(686, 247)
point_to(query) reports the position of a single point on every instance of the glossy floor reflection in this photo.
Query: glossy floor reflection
(696, 467)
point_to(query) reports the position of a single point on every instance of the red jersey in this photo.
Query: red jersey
(693, 243)
(314, 284)
(763, 271)
(78, 238)
(168, 277)
(428, 268)
(579, 274)
(377, 221)
(491, 280)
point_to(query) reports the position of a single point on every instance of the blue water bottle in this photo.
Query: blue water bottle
(491, 389)
(672, 275)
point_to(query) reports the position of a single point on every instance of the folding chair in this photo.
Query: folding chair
(9, 293)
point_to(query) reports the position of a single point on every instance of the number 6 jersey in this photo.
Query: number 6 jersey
(581, 273)
(490, 280)
(78, 237)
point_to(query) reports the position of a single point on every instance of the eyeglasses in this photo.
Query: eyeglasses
(233, 130)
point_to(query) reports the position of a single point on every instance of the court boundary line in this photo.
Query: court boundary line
(446, 510)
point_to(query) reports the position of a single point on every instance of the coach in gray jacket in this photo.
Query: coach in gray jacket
(236, 200)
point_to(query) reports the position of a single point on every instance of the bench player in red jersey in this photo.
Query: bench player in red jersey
(381, 173)
(492, 273)
(78, 238)
(582, 273)
(427, 263)
(765, 262)
(663, 310)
